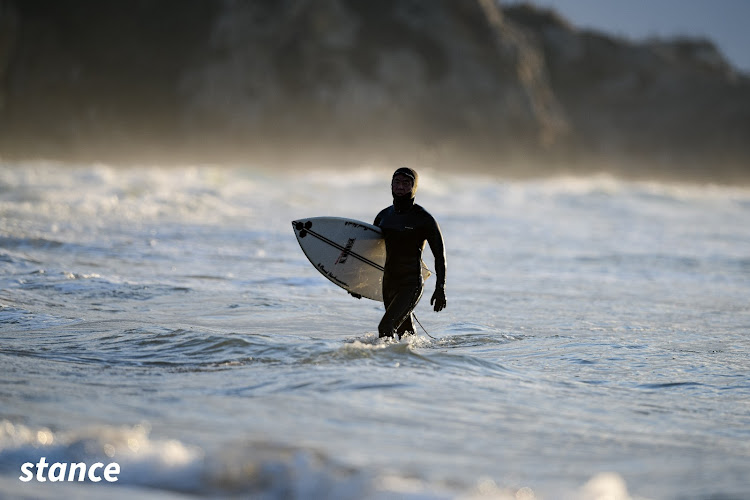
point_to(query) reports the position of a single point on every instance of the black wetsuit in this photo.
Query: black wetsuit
(406, 227)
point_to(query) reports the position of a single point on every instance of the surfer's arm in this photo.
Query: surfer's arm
(437, 247)
(380, 216)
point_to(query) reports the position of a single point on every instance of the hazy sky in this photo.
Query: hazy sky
(725, 22)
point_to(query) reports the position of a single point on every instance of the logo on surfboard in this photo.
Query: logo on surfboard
(302, 228)
(345, 253)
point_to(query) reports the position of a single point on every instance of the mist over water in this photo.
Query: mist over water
(166, 319)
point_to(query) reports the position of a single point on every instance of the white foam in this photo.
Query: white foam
(249, 468)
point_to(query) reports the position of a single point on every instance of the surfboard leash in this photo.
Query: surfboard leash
(420, 324)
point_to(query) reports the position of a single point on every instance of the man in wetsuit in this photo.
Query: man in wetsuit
(406, 227)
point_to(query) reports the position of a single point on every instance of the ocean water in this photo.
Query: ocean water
(595, 345)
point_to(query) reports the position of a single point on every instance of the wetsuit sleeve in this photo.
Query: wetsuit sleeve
(379, 218)
(437, 246)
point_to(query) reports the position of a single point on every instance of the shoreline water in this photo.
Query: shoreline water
(169, 319)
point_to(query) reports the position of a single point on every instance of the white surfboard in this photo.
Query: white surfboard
(348, 252)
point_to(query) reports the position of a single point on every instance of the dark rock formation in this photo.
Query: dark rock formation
(674, 106)
(378, 80)
(433, 82)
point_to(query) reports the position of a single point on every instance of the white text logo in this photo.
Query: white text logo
(69, 472)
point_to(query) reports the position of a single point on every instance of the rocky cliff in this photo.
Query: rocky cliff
(444, 83)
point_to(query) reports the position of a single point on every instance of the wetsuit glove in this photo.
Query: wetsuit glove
(355, 295)
(438, 299)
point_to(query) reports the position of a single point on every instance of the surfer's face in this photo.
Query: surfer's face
(401, 185)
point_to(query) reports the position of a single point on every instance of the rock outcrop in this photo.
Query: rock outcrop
(432, 82)
(674, 106)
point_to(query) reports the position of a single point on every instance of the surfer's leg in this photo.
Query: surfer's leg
(399, 305)
(385, 328)
(407, 327)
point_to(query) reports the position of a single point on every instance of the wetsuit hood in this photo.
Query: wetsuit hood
(405, 202)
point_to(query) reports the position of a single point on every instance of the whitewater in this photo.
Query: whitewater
(595, 343)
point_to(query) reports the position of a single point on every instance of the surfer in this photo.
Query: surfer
(406, 227)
